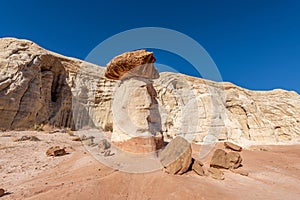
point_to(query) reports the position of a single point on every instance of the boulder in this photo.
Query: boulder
(233, 160)
(231, 146)
(221, 159)
(177, 156)
(56, 151)
(197, 167)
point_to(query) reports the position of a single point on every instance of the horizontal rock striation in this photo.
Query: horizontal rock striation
(40, 87)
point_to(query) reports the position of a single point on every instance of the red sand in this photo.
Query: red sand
(27, 173)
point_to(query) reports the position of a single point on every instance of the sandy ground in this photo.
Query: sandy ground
(27, 173)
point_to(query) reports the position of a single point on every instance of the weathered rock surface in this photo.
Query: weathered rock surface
(222, 159)
(232, 146)
(177, 156)
(40, 87)
(135, 63)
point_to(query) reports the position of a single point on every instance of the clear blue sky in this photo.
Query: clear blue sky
(255, 44)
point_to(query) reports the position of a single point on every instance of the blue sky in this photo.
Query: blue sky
(255, 44)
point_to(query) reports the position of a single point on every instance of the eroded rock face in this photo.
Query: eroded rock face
(38, 86)
(136, 117)
(196, 107)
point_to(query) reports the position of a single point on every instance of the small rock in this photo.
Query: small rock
(234, 160)
(77, 139)
(34, 138)
(104, 145)
(197, 167)
(56, 151)
(2, 192)
(234, 147)
(177, 156)
(54, 131)
(27, 138)
(108, 153)
(89, 142)
(216, 173)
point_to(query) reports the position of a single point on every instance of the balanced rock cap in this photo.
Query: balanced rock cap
(135, 63)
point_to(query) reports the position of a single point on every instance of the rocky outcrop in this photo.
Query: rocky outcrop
(136, 118)
(40, 87)
(198, 108)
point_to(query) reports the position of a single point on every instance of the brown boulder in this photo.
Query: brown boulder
(216, 173)
(56, 151)
(233, 159)
(135, 63)
(234, 147)
(177, 156)
(197, 167)
(221, 159)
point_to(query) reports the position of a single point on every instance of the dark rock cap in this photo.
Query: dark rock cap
(134, 63)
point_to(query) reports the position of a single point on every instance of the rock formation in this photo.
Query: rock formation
(136, 118)
(41, 87)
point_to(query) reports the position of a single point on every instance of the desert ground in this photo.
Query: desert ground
(27, 173)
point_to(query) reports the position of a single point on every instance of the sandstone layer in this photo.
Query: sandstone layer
(41, 87)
